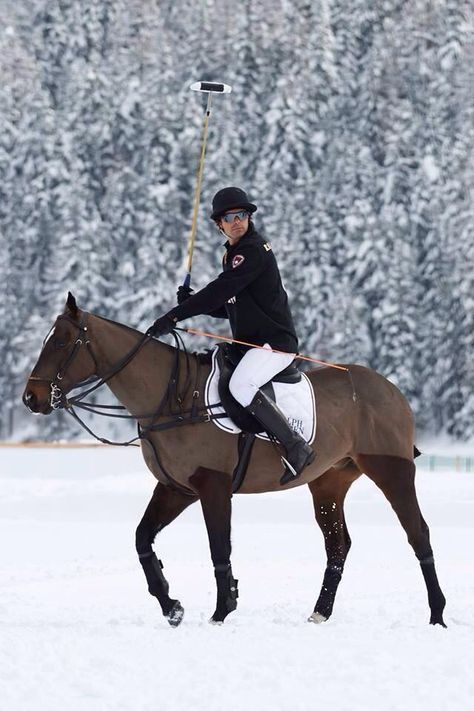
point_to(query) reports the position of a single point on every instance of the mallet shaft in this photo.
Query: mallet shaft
(197, 192)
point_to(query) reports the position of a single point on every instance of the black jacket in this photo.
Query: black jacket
(248, 292)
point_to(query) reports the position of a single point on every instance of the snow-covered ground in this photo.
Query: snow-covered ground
(80, 632)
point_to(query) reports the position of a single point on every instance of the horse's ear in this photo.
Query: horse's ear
(71, 305)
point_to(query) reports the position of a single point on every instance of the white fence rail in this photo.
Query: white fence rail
(438, 462)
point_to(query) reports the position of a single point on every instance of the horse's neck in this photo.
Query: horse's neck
(141, 384)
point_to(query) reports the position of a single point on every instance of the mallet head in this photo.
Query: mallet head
(211, 86)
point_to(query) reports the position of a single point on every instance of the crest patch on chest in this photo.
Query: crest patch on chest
(237, 260)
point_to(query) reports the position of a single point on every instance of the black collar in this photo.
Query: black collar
(250, 232)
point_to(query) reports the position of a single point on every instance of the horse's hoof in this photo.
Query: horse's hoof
(317, 618)
(212, 621)
(176, 614)
(438, 620)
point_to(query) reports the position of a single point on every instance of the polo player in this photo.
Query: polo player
(249, 292)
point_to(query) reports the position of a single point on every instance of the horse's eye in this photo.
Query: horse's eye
(59, 343)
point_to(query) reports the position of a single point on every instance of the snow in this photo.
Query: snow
(430, 168)
(79, 629)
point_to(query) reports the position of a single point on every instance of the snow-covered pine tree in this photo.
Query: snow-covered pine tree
(352, 126)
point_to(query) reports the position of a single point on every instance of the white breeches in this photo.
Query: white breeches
(256, 368)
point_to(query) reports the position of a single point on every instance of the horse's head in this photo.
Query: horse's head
(64, 362)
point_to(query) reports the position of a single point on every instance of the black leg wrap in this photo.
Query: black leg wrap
(157, 583)
(227, 592)
(331, 580)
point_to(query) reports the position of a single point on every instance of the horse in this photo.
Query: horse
(364, 426)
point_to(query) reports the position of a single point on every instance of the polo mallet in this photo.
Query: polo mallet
(209, 88)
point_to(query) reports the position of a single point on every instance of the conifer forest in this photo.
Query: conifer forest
(350, 125)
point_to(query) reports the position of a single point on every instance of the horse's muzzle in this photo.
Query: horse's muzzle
(36, 404)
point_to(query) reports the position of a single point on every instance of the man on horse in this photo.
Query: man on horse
(249, 292)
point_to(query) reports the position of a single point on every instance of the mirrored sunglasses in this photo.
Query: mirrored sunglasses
(230, 216)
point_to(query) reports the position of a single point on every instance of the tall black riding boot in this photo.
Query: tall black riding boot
(298, 453)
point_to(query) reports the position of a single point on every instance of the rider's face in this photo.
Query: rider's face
(237, 228)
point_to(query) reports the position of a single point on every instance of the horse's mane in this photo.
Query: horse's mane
(121, 325)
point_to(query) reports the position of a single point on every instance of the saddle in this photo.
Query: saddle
(228, 359)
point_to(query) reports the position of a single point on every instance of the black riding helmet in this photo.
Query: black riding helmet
(230, 199)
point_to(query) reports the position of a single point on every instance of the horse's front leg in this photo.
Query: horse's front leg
(215, 492)
(165, 505)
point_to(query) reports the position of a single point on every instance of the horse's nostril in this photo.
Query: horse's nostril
(29, 398)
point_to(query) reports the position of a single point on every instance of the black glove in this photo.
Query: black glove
(162, 326)
(183, 293)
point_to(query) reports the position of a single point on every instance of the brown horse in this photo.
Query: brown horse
(365, 425)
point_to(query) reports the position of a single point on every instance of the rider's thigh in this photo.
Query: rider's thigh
(257, 367)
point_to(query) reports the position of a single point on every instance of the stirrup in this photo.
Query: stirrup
(289, 468)
(290, 473)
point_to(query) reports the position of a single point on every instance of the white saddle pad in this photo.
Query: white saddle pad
(295, 400)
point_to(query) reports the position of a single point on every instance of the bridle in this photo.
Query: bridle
(58, 398)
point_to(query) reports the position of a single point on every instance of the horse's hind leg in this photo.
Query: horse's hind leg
(395, 476)
(329, 491)
(215, 492)
(165, 505)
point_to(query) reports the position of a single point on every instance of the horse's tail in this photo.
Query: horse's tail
(416, 452)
